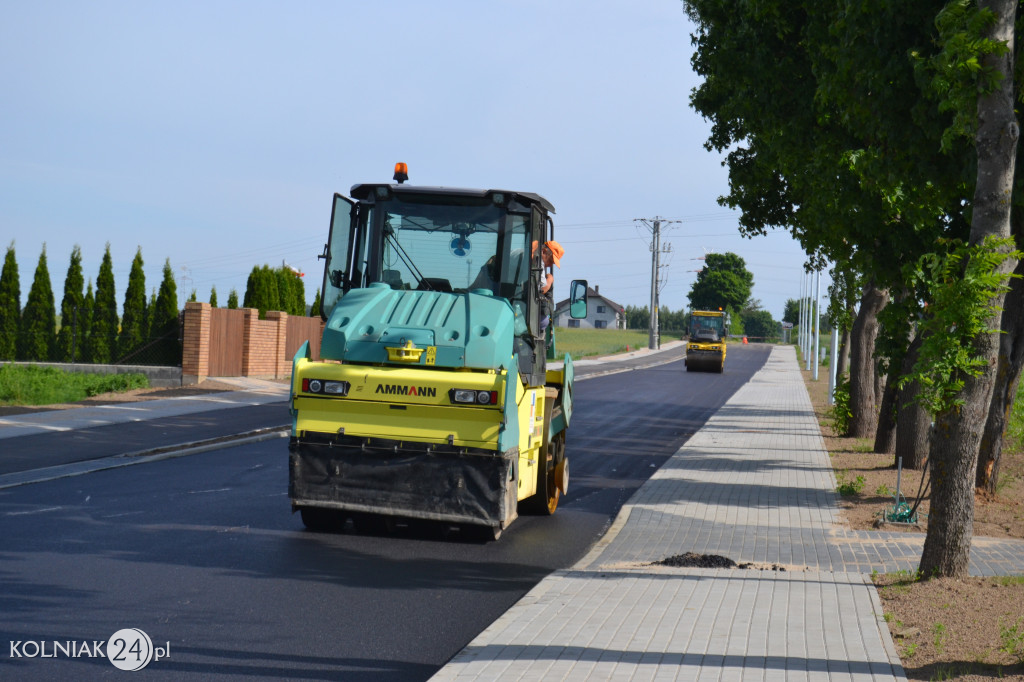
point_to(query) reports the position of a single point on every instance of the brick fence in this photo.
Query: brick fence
(265, 348)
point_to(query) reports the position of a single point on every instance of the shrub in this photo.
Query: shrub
(840, 412)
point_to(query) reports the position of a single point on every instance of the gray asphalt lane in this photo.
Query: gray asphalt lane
(201, 552)
(52, 449)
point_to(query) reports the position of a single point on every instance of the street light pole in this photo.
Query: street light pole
(817, 319)
(803, 314)
(833, 364)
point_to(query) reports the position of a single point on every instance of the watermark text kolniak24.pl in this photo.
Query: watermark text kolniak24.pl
(127, 649)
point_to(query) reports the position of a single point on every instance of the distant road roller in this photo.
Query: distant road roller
(705, 348)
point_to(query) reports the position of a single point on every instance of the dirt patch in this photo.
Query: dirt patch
(944, 629)
(875, 475)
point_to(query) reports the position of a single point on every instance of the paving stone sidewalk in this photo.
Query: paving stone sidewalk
(754, 485)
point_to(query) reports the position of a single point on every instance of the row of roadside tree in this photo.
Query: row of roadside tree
(89, 328)
(883, 137)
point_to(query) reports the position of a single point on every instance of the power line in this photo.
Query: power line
(697, 218)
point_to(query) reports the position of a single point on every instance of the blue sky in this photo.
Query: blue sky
(215, 133)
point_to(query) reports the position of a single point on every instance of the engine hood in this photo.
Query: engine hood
(467, 330)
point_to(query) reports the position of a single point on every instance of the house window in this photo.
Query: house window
(600, 309)
(600, 324)
(574, 323)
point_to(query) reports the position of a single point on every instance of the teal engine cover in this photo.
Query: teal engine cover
(469, 330)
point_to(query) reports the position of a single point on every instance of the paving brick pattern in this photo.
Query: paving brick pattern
(754, 485)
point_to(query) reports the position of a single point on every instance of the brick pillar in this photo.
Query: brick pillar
(282, 364)
(195, 358)
(249, 354)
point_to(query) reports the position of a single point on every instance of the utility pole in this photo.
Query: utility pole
(654, 225)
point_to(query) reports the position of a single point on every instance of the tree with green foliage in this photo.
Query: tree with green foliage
(759, 324)
(85, 322)
(213, 297)
(1008, 373)
(232, 300)
(291, 291)
(37, 335)
(165, 326)
(150, 307)
(671, 322)
(314, 310)
(830, 115)
(261, 290)
(837, 140)
(69, 337)
(285, 293)
(133, 314)
(10, 306)
(298, 295)
(791, 313)
(103, 332)
(724, 283)
(638, 318)
(973, 298)
(1010, 355)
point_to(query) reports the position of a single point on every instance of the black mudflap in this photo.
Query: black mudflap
(415, 480)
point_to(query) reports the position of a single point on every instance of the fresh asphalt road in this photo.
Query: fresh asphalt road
(202, 554)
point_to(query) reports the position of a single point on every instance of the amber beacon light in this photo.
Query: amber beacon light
(401, 172)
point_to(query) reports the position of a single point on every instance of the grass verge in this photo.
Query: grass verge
(22, 385)
(582, 343)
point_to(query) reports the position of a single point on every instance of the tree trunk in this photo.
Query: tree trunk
(885, 435)
(912, 421)
(863, 405)
(1011, 356)
(881, 380)
(844, 354)
(958, 431)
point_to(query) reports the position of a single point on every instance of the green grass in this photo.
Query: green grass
(1012, 638)
(1008, 580)
(581, 343)
(29, 385)
(863, 445)
(847, 488)
(1015, 428)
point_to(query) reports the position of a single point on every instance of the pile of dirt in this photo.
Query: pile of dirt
(695, 560)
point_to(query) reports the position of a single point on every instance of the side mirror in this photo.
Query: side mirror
(578, 299)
